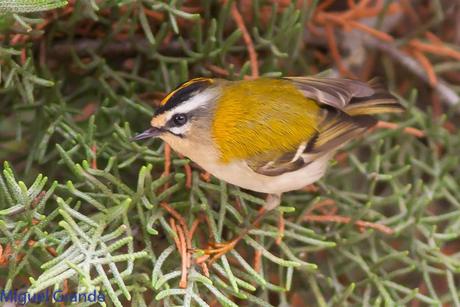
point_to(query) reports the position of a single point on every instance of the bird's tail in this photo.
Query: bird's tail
(354, 119)
(380, 102)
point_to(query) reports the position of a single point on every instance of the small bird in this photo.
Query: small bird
(269, 135)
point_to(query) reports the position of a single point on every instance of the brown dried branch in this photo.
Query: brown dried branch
(441, 87)
(346, 220)
(247, 40)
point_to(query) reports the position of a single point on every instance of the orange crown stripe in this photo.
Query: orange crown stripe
(165, 100)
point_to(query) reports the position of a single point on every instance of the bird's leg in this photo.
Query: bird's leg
(219, 249)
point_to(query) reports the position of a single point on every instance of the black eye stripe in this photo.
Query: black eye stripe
(181, 95)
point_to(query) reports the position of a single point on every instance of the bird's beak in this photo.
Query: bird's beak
(147, 134)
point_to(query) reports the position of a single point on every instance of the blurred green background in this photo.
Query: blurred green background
(83, 208)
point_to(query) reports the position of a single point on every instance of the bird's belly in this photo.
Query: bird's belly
(238, 173)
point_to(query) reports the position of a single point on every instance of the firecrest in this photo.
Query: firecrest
(267, 135)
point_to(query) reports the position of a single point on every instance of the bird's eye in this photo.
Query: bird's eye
(179, 119)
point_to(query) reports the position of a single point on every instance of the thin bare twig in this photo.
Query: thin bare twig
(346, 220)
(441, 87)
(247, 39)
(409, 130)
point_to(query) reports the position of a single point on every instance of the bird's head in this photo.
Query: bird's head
(185, 113)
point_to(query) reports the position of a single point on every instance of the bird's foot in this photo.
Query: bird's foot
(217, 250)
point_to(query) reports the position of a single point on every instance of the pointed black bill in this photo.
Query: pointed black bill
(147, 134)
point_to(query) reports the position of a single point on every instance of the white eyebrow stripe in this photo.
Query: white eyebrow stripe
(193, 103)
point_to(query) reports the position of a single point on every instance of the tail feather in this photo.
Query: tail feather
(380, 102)
(340, 125)
(374, 106)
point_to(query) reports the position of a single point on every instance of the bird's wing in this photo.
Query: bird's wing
(331, 91)
(345, 111)
(278, 165)
(335, 129)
